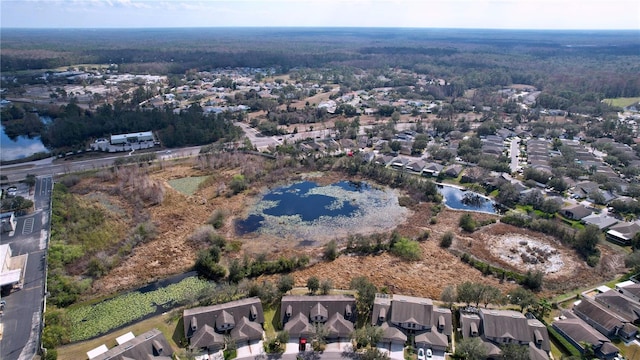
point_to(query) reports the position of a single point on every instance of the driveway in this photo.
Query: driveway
(339, 346)
(394, 351)
(251, 349)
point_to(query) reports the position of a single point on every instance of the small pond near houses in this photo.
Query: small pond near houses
(309, 212)
(462, 199)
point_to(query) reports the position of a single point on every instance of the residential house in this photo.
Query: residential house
(622, 305)
(150, 345)
(416, 166)
(623, 232)
(605, 321)
(399, 162)
(600, 220)
(432, 169)
(301, 314)
(399, 316)
(575, 212)
(206, 327)
(629, 289)
(584, 188)
(500, 327)
(453, 170)
(577, 332)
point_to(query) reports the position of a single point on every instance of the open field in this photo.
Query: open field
(179, 216)
(187, 185)
(622, 102)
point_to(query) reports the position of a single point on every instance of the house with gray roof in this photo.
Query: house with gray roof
(600, 220)
(621, 305)
(206, 327)
(623, 232)
(151, 345)
(605, 321)
(301, 314)
(576, 331)
(630, 290)
(400, 316)
(501, 327)
(575, 212)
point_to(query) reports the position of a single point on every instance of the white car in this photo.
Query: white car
(421, 355)
(429, 353)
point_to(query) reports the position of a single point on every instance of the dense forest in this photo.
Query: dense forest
(606, 63)
(73, 125)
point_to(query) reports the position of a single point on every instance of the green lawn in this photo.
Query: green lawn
(622, 102)
(187, 185)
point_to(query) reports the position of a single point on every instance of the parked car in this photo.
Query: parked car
(429, 353)
(421, 354)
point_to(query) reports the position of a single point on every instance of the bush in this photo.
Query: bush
(207, 264)
(407, 249)
(52, 354)
(467, 223)
(238, 184)
(217, 219)
(446, 240)
(313, 284)
(330, 251)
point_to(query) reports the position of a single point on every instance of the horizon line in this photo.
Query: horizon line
(319, 27)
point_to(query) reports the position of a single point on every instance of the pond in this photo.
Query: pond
(19, 148)
(309, 212)
(462, 199)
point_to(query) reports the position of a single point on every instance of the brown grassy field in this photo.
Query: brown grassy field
(179, 216)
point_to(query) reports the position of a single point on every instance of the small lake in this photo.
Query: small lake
(461, 199)
(19, 148)
(307, 211)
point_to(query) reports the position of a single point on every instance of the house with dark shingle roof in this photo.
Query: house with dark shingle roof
(501, 327)
(605, 321)
(576, 331)
(621, 305)
(300, 314)
(623, 232)
(151, 345)
(399, 316)
(602, 221)
(206, 327)
(576, 212)
(630, 290)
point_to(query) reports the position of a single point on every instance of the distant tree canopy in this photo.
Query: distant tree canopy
(73, 127)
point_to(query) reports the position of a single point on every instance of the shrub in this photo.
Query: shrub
(467, 223)
(313, 284)
(207, 264)
(238, 184)
(51, 354)
(407, 249)
(424, 236)
(217, 219)
(330, 251)
(285, 283)
(446, 240)
(326, 286)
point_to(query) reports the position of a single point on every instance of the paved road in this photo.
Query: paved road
(514, 151)
(49, 167)
(23, 312)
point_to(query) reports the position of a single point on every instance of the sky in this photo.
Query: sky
(486, 14)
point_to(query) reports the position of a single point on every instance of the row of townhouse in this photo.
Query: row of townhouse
(401, 318)
(598, 320)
